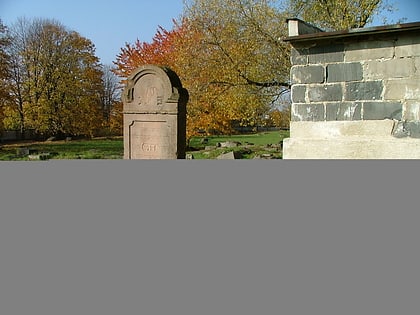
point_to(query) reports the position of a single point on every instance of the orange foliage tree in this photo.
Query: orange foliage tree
(231, 58)
(214, 104)
(170, 49)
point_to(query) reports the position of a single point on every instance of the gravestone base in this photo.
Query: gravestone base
(348, 140)
(151, 136)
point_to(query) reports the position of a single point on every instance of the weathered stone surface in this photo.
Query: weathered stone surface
(344, 72)
(325, 93)
(229, 144)
(331, 129)
(407, 129)
(358, 91)
(407, 46)
(229, 156)
(377, 49)
(154, 115)
(343, 111)
(402, 89)
(352, 148)
(307, 74)
(411, 111)
(382, 110)
(298, 27)
(307, 112)
(393, 68)
(298, 93)
(326, 54)
(400, 130)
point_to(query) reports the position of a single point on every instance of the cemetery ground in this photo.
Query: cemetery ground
(262, 145)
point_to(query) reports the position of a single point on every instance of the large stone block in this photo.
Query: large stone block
(308, 112)
(333, 129)
(402, 89)
(371, 139)
(326, 54)
(345, 72)
(343, 111)
(358, 91)
(369, 50)
(407, 46)
(298, 93)
(393, 68)
(325, 93)
(382, 110)
(307, 74)
(354, 148)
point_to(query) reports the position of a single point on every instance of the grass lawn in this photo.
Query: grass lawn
(252, 145)
(113, 148)
(262, 138)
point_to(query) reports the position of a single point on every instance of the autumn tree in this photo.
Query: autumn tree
(56, 79)
(164, 50)
(172, 49)
(245, 63)
(230, 57)
(338, 14)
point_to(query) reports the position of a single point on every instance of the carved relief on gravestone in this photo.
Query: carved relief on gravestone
(154, 114)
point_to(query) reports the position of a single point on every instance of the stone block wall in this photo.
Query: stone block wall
(342, 80)
(378, 78)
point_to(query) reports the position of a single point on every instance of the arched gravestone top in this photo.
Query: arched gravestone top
(153, 89)
(154, 114)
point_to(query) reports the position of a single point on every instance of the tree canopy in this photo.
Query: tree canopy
(230, 56)
(338, 14)
(55, 80)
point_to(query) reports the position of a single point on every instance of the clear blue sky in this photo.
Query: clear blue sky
(111, 24)
(108, 24)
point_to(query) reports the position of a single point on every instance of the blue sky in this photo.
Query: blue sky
(108, 24)
(111, 24)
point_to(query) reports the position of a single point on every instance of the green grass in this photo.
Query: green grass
(61, 150)
(113, 148)
(251, 145)
(263, 138)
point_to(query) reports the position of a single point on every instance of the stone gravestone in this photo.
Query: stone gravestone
(154, 114)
